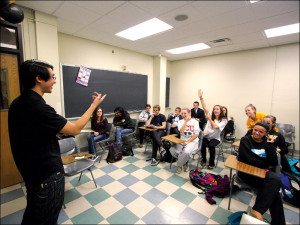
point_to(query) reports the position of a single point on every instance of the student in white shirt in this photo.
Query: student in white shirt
(143, 117)
(216, 122)
(189, 131)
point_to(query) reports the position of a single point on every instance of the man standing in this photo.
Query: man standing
(33, 126)
(199, 115)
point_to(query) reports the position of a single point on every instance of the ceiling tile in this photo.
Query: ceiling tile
(100, 7)
(255, 44)
(43, 6)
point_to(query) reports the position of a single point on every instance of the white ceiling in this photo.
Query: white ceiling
(243, 23)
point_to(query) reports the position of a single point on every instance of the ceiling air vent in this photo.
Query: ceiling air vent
(219, 42)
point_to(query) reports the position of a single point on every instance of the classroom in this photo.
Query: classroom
(248, 69)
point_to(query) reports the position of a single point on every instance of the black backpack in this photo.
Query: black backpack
(290, 194)
(114, 153)
(127, 150)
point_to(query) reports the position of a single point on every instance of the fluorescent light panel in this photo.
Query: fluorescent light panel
(254, 1)
(284, 30)
(144, 29)
(189, 48)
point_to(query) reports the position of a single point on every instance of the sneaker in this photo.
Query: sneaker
(185, 166)
(153, 162)
(179, 169)
(203, 164)
(162, 152)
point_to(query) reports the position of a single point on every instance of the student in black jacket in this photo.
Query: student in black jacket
(123, 123)
(258, 150)
(199, 115)
(174, 119)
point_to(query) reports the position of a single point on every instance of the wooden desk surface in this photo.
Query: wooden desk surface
(233, 163)
(71, 158)
(147, 128)
(236, 144)
(173, 139)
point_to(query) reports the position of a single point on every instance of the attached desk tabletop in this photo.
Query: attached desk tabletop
(173, 139)
(71, 158)
(236, 144)
(233, 163)
(147, 128)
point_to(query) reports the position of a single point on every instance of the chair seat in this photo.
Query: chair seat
(77, 167)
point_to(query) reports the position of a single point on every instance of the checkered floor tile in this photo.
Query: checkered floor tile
(133, 192)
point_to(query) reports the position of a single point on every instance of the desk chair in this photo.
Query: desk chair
(149, 139)
(231, 141)
(244, 185)
(68, 146)
(220, 147)
(132, 134)
(288, 132)
(198, 149)
(104, 143)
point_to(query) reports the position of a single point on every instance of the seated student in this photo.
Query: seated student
(279, 142)
(100, 127)
(258, 150)
(216, 122)
(174, 119)
(189, 129)
(253, 116)
(159, 122)
(143, 117)
(199, 115)
(123, 123)
(228, 130)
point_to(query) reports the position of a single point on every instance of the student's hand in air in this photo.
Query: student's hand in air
(200, 93)
(98, 98)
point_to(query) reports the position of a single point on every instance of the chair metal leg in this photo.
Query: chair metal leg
(231, 187)
(80, 176)
(64, 206)
(293, 150)
(171, 162)
(93, 177)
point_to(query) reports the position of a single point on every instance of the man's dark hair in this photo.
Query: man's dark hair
(196, 102)
(147, 105)
(30, 69)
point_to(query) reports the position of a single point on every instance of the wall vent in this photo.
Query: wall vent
(219, 42)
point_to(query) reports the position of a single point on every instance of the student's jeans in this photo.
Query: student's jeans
(92, 139)
(120, 131)
(212, 150)
(44, 201)
(268, 196)
(156, 142)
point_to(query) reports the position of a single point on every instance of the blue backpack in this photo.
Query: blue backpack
(290, 194)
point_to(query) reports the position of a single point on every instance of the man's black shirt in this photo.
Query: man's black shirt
(33, 126)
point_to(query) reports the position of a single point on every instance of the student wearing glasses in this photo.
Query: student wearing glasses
(100, 127)
(34, 143)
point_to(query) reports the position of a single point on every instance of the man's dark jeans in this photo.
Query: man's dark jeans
(44, 201)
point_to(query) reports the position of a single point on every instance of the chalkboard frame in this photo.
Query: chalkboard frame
(142, 96)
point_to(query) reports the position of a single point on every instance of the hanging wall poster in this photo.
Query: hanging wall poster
(83, 76)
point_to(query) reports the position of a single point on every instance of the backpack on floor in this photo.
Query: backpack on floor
(114, 153)
(127, 150)
(168, 157)
(290, 194)
(202, 180)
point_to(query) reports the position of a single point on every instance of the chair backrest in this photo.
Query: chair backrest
(111, 131)
(168, 128)
(68, 146)
(288, 132)
(135, 122)
(200, 139)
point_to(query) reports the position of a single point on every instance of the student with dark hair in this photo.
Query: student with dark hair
(199, 115)
(143, 117)
(34, 143)
(258, 150)
(216, 122)
(100, 126)
(123, 123)
(174, 119)
(253, 116)
(158, 121)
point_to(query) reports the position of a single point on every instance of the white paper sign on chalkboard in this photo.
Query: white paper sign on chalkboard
(83, 76)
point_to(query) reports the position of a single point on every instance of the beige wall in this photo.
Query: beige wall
(268, 78)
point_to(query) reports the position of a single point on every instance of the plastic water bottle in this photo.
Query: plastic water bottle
(288, 193)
